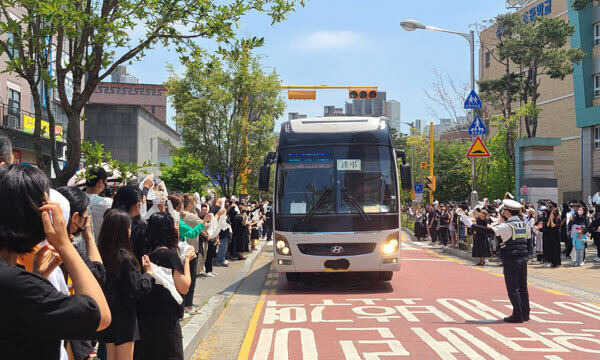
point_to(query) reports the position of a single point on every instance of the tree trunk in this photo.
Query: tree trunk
(37, 132)
(73, 157)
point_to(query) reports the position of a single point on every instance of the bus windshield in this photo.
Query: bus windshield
(340, 179)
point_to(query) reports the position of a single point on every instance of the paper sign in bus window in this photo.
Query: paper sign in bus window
(298, 208)
(349, 165)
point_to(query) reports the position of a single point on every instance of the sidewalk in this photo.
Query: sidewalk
(581, 282)
(212, 295)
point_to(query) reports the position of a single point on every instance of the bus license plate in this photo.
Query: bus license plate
(339, 265)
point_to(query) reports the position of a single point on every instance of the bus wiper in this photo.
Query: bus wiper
(355, 203)
(318, 204)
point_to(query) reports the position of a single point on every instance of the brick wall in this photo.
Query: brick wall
(152, 97)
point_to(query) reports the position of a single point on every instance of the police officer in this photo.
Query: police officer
(514, 233)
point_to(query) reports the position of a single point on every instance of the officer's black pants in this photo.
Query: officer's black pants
(515, 276)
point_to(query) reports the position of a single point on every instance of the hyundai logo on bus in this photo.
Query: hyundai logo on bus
(336, 249)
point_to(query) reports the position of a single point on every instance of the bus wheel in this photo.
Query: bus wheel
(292, 277)
(385, 275)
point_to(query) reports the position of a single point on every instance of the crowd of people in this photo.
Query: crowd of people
(85, 271)
(555, 230)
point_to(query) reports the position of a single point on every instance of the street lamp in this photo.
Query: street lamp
(412, 25)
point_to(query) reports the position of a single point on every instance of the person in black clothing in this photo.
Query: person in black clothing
(79, 224)
(159, 312)
(36, 316)
(481, 244)
(268, 226)
(432, 224)
(551, 234)
(444, 223)
(125, 284)
(593, 228)
(565, 235)
(129, 199)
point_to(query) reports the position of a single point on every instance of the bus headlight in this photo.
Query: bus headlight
(281, 245)
(391, 245)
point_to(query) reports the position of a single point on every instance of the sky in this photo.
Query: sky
(355, 42)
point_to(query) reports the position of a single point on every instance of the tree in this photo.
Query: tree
(447, 94)
(91, 38)
(579, 5)
(185, 174)
(543, 52)
(452, 171)
(211, 99)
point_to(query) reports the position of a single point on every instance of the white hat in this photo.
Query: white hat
(511, 204)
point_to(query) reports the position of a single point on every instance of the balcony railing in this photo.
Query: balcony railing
(24, 121)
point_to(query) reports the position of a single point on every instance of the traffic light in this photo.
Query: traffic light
(431, 183)
(359, 93)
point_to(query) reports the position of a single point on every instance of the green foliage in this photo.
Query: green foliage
(185, 174)
(452, 171)
(536, 49)
(497, 176)
(579, 5)
(94, 156)
(211, 99)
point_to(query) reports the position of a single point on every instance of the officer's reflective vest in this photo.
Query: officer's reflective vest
(517, 244)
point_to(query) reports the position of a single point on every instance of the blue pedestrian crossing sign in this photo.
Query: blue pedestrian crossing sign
(477, 127)
(473, 101)
(418, 188)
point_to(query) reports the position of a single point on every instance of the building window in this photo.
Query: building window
(487, 59)
(597, 137)
(14, 102)
(13, 50)
(597, 34)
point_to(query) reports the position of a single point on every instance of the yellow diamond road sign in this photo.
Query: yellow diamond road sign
(478, 149)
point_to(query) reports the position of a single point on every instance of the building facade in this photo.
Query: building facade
(393, 113)
(586, 84)
(17, 119)
(367, 107)
(130, 121)
(557, 102)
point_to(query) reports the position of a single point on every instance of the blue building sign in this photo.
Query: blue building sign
(542, 9)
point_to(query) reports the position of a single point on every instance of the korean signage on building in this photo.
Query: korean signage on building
(542, 9)
(29, 127)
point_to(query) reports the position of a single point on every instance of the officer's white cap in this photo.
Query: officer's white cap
(511, 204)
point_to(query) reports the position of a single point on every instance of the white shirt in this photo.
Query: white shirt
(97, 208)
(503, 230)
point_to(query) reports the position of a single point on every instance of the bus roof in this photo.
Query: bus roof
(338, 124)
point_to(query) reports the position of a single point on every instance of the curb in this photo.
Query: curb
(196, 328)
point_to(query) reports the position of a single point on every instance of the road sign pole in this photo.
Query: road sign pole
(474, 196)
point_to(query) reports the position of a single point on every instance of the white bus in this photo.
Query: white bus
(336, 197)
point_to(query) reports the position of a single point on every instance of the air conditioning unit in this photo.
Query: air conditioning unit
(11, 121)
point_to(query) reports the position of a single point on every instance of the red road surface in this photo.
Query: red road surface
(434, 308)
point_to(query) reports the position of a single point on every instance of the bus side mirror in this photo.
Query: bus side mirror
(270, 158)
(405, 177)
(401, 154)
(263, 178)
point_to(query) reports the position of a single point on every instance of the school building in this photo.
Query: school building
(570, 107)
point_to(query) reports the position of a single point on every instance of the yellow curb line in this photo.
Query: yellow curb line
(270, 282)
(249, 338)
(555, 292)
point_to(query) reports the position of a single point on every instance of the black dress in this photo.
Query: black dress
(481, 244)
(420, 229)
(122, 292)
(551, 243)
(237, 229)
(138, 237)
(159, 314)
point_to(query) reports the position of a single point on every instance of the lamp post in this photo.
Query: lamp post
(412, 25)
(412, 154)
